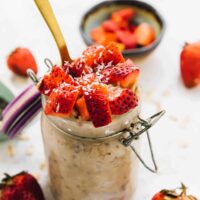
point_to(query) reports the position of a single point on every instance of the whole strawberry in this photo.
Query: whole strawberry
(174, 195)
(22, 186)
(20, 60)
(190, 64)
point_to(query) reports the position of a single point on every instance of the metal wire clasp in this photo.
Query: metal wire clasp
(138, 128)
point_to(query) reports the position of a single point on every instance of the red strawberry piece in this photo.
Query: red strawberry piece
(98, 106)
(96, 33)
(190, 64)
(61, 101)
(105, 75)
(109, 26)
(20, 60)
(97, 55)
(22, 186)
(126, 74)
(158, 196)
(127, 38)
(52, 80)
(132, 28)
(122, 100)
(106, 38)
(92, 55)
(112, 54)
(82, 108)
(125, 14)
(75, 68)
(145, 34)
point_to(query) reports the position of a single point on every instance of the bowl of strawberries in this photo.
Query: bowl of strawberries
(135, 26)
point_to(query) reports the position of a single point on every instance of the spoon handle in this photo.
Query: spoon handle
(49, 17)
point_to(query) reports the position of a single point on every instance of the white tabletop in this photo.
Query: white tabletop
(175, 138)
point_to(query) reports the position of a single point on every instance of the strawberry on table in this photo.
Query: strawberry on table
(144, 34)
(190, 64)
(61, 101)
(20, 60)
(158, 196)
(122, 100)
(177, 194)
(22, 186)
(98, 106)
(52, 80)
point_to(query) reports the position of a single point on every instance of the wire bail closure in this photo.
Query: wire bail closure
(138, 128)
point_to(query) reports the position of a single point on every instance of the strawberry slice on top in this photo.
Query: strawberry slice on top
(61, 101)
(98, 106)
(99, 55)
(76, 68)
(52, 80)
(125, 74)
(121, 100)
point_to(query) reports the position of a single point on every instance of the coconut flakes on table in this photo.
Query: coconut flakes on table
(10, 150)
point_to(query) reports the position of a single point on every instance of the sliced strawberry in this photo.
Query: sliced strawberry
(125, 14)
(61, 101)
(82, 108)
(52, 80)
(126, 74)
(105, 75)
(145, 34)
(127, 38)
(96, 33)
(122, 100)
(98, 55)
(106, 38)
(112, 54)
(75, 68)
(109, 26)
(92, 55)
(98, 106)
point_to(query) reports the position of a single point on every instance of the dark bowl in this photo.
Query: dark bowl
(144, 13)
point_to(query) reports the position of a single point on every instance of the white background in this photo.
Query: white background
(176, 138)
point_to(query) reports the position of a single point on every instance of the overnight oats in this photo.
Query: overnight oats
(86, 105)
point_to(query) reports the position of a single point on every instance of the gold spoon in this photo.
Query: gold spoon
(49, 17)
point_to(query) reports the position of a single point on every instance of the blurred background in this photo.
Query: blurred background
(175, 138)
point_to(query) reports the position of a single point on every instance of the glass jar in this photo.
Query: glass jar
(87, 163)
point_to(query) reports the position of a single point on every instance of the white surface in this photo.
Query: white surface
(176, 137)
